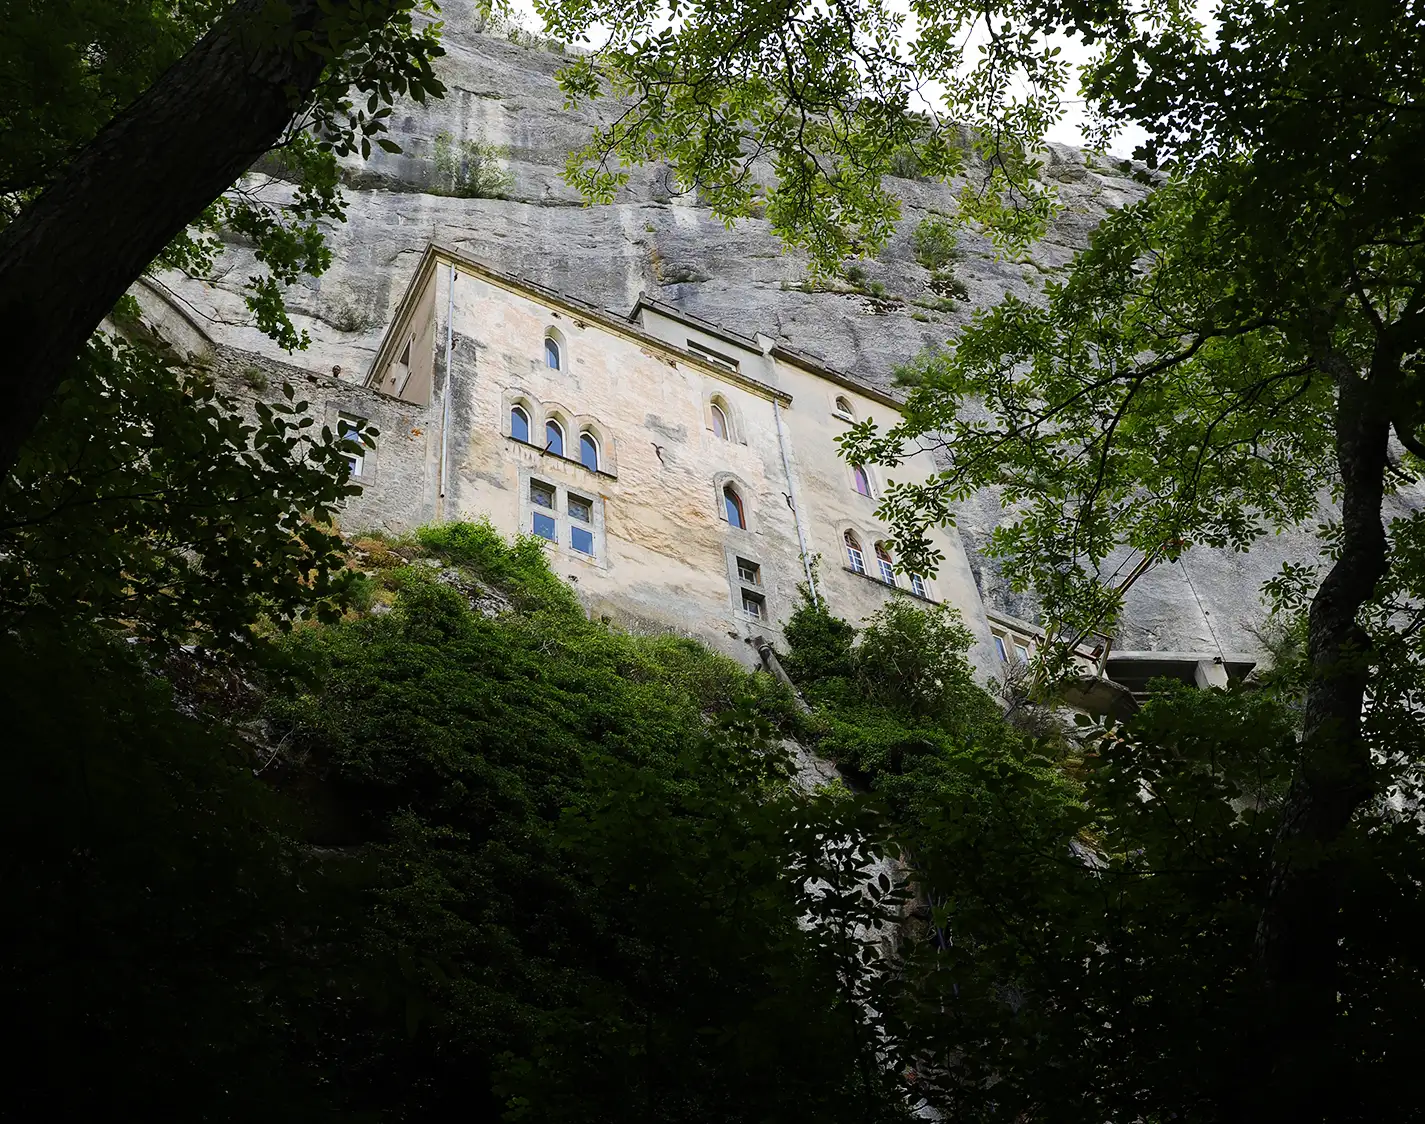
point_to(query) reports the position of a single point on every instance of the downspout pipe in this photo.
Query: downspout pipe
(449, 377)
(796, 506)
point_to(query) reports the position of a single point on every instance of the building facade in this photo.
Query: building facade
(685, 476)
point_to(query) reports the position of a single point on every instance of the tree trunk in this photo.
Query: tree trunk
(1297, 937)
(69, 257)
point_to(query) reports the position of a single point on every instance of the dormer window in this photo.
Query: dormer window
(708, 355)
(552, 354)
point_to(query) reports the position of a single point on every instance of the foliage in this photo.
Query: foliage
(814, 107)
(148, 501)
(470, 168)
(936, 243)
(516, 864)
(1111, 428)
(67, 70)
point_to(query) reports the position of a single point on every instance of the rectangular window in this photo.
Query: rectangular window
(749, 572)
(544, 527)
(1022, 651)
(888, 573)
(858, 562)
(754, 605)
(582, 540)
(712, 356)
(541, 495)
(1000, 648)
(581, 509)
(918, 587)
(348, 427)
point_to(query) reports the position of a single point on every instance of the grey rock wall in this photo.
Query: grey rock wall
(504, 94)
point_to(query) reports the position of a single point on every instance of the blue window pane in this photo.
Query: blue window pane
(551, 354)
(588, 451)
(554, 438)
(519, 424)
(544, 526)
(734, 508)
(581, 540)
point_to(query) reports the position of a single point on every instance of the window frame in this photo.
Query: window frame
(353, 425)
(1000, 648)
(552, 344)
(860, 477)
(718, 413)
(847, 412)
(548, 441)
(518, 408)
(757, 598)
(855, 555)
(732, 499)
(748, 571)
(885, 564)
(592, 439)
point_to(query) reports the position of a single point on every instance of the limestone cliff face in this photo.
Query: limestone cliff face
(504, 94)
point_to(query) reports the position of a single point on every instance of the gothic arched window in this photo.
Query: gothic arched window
(519, 424)
(554, 438)
(732, 502)
(589, 450)
(853, 553)
(863, 482)
(719, 421)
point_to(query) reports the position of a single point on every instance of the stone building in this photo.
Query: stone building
(684, 474)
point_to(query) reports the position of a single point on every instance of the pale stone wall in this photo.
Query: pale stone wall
(665, 557)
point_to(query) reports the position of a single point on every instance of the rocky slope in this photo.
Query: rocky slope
(504, 94)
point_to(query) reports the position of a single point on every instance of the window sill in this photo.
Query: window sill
(888, 585)
(561, 458)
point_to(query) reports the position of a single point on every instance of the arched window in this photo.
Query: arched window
(884, 563)
(551, 353)
(519, 424)
(554, 438)
(589, 450)
(863, 482)
(733, 503)
(719, 421)
(843, 407)
(853, 553)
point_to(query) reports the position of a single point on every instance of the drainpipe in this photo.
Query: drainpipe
(796, 507)
(449, 377)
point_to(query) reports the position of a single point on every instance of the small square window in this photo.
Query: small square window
(754, 606)
(581, 509)
(749, 572)
(544, 527)
(541, 495)
(582, 540)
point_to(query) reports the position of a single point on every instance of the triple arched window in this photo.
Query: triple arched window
(556, 438)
